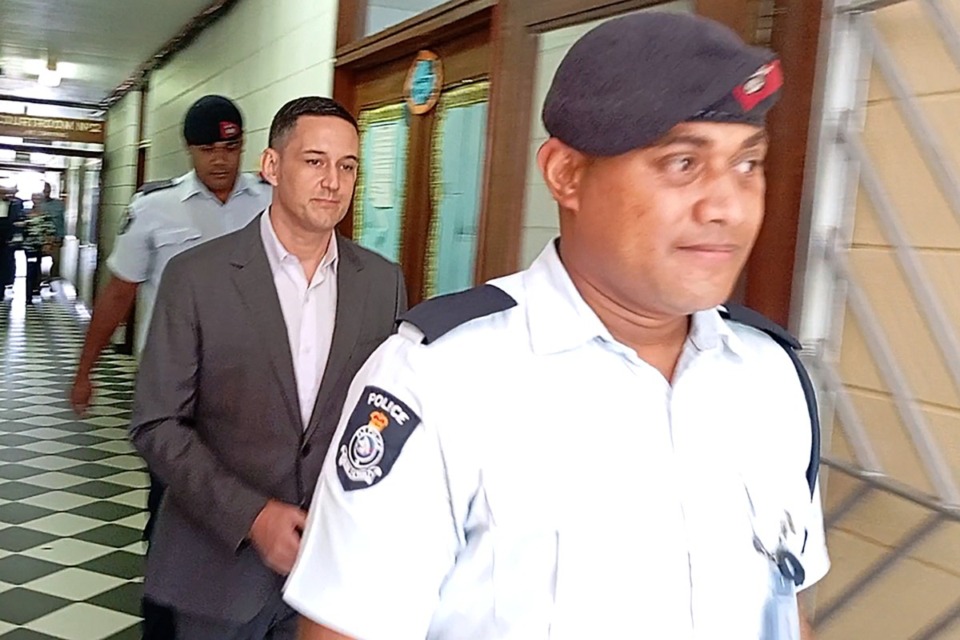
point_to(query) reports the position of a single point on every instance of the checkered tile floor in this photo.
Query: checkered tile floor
(72, 492)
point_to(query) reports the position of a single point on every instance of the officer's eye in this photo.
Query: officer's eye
(315, 162)
(680, 164)
(750, 167)
(348, 167)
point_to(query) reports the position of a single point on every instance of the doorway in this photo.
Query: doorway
(423, 157)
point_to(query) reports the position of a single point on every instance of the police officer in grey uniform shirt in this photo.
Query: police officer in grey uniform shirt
(597, 447)
(164, 219)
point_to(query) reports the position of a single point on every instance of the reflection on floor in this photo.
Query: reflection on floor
(72, 492)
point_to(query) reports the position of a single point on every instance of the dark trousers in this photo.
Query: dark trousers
(8, 264)
(276, 621)
(33, 271)
(158, 620)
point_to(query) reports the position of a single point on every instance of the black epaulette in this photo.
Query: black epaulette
(158, 185)
(749, 317)
(438, 316)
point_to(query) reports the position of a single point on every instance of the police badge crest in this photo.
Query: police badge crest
(375, 434)
(127, 221)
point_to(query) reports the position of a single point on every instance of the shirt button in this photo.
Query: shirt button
(306, 449)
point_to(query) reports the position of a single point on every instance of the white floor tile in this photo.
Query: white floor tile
(124, 462)
(47, 433)
(69, 552)
(49, 446)
(134, 479)
(136, 498)
(115, 446)
(107, 421)
(52, 463)
(63, 524)
(83, 621)
(74, 584)
(137, 521)
(55, 480)
(59, 500)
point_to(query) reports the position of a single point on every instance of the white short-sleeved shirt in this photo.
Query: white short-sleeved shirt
(553, 485)
(172, 219)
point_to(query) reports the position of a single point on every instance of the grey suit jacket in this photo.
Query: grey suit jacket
(217, 418)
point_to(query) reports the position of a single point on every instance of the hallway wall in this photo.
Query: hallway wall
(120, 178)
(261, 54)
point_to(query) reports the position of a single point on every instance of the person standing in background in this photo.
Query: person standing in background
(38, 233)
(11, 210)
(55, 210)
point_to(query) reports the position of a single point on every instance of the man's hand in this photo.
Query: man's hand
(275, 535)
(81, 392)
(310, 630)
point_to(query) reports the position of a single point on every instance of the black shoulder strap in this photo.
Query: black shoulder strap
(749, 317)
(159, 185)
(438, 316)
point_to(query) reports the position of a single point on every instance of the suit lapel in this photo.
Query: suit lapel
(254, 282)
(351, 300)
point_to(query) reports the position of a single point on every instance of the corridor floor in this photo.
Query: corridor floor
(72, 492)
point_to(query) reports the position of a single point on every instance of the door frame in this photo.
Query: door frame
(515, 28)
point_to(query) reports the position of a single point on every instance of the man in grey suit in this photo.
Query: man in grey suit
(254, 341)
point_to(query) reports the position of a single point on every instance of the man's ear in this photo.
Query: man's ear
(562, 168)
(269, 163)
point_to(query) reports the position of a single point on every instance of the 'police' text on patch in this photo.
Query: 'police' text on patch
(375, 434)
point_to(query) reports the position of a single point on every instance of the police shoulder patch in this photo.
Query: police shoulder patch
(375, 435)
(438, 316)
(159, 185)
(127, 221)
(747, 316)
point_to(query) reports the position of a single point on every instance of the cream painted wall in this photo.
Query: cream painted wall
(120, 177)
(261, 54)
(540, 222)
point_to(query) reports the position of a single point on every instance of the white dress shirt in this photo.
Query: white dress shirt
(309, 311)
(555, 486)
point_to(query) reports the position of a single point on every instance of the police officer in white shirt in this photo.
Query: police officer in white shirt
(164, 219)
(594, 447)
(167, 217)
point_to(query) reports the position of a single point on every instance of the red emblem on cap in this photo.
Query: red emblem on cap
(764, 83)
(229, 130)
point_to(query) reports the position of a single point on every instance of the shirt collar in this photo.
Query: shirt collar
(192, 186)
(277, 253)
(559, 319)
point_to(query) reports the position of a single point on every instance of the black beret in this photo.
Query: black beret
(212, 119)
(627, 83)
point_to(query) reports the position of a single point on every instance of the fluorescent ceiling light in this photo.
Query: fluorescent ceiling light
(7, 155)
(40, 158)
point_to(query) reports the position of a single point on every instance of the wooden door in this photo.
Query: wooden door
(420, 186)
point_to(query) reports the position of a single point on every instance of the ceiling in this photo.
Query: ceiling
(97, 43)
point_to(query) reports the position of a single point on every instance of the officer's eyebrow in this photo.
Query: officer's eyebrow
(757, 139)
(682, 138)
(320, 152)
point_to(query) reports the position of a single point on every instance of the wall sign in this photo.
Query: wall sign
(63, 129)
(424, 83)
